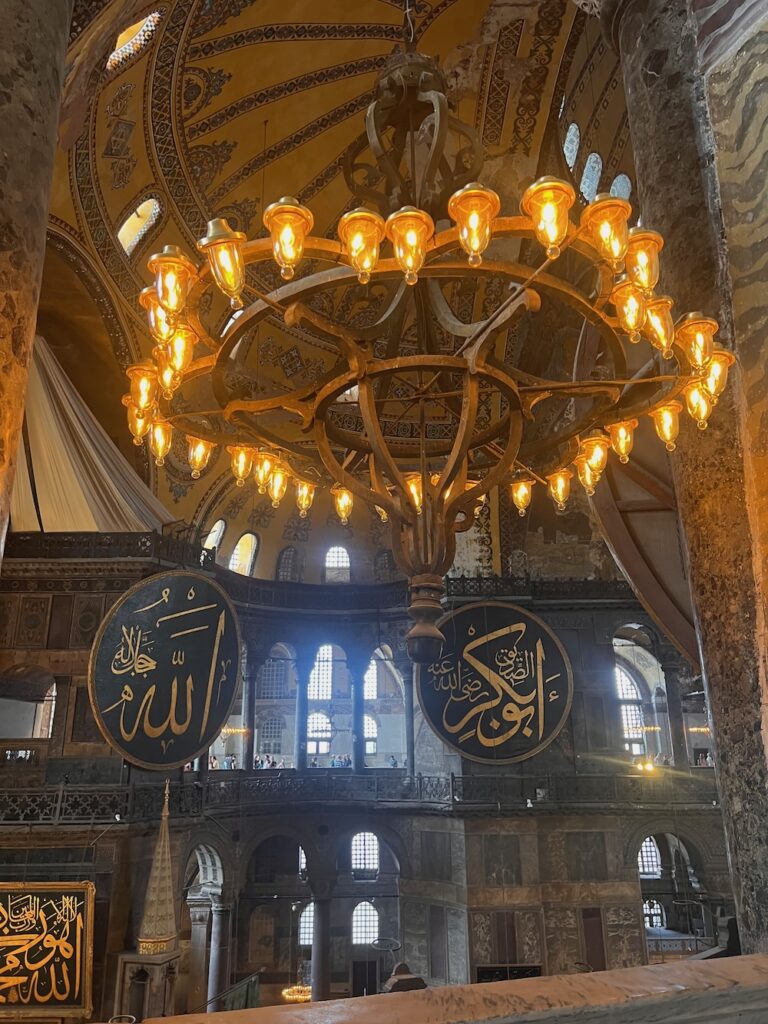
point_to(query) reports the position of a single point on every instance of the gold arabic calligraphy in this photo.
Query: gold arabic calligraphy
(41, 948)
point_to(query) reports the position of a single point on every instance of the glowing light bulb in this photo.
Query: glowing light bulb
(474, 208)
(642, 258)
(361, 232)
(262, 470)
(343, 501)
(278, 483)
(160, 439)
(594, 448)
(289, 224)
(181, 348)
(198, 454)
(382, 513)
(241, 463)
(305, 495)
(143, 383)
(699, 403)
(415, 491)
(559, 487)
(717, 372)
(167, 377)
(631, 309)
(160, 322)
(622, 438)
(547, 202)
(410, 230)
(606, 221)
(588, 477)
(139, 420)
(223, 248)
(659, 325)
(174, 274)
(666, 420)
(522, 491)
(694, 334)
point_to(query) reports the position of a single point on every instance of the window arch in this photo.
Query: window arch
(371, 681)
(270, 736)
(621, 186)
(365, 854)
(318, 733)
(371, 733)
(307, 925)
(571, 144)
(133, 39)
(649, 858)
(321, 677)
(590, 178)
(273, 679)
(365, 924)
(631, 709)
(215, 535)
(288, 565)
(243, 557)
(337, 566)
(138, 224)
(653, 913)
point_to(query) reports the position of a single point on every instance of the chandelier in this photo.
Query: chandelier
(423, 411)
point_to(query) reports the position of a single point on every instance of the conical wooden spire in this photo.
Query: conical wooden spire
(158, 924)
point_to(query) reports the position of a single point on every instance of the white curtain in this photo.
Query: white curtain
(68, 461)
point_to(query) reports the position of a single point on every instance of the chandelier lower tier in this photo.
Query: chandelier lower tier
(423, 412)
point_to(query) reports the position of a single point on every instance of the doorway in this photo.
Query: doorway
(365, 977)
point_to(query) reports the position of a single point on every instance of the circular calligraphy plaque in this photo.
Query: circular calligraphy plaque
(165, 668)
(502, 690)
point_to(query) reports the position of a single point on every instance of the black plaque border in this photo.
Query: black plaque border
(568, 704)
(97, 641)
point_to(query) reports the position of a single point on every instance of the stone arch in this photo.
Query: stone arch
(696, 843)
(386, 837)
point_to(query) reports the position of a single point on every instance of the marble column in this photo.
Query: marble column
(357, 667)
(680, 756)
(303, 668)
(197, 985)
(321, 949)
(254, 661)
(218, 966)
(33, 45)
(715, 486)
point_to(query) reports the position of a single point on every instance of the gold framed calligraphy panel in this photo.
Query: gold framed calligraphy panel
(503, 687)
(164, 669)
(46, 949)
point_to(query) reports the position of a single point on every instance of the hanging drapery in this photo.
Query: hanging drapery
(70, 476)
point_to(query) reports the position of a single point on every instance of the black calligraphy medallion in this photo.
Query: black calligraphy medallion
(502, 690)
(164, 669)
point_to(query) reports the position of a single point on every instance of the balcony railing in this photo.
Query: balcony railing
(88, 546)
(249, 793)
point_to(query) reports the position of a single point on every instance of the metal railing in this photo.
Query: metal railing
(245, 792)
(89, 546)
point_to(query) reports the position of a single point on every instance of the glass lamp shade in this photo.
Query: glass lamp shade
(588, 477)
(694, 334)
(288, 223)
(305, 495)
(415, 490)
(166, 375)
(547, 202)
(605, 220)
(594, 448)
(181, 348)
(241, 462)
(717, 372)
(160, 439)
(278, 483)
(522, 492)
(174, 274)
(139, 421)
(631, 311)
(410, 231)
(223, 248)
(559, 487)
(666, 420)
(659, 325)
(198, 454)
(343, 501)
(361, 232)
(143, 383)
(262, 470)
(698, 402)
(622, 438)
(642, 258)
(160, 322)
(474, 208)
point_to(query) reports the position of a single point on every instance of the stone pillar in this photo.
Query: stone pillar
(197, 987)
(715, 485)
(303, 668)
(680, 757)
(254, 660)
(33, 45)
(357, 666)
(321, 949)
(218, 966)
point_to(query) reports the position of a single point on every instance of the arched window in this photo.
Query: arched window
(133, 39)
(653, 913)
(365, 924)
(307, 925)
(273, 679)
(215, 534)
(137, 224)
(302, 863)
(631, 708)
(649, 858)
(370, 732)
(321, 677)
(621, 186)
(571, 144)
(337, 565)
(371, 681)
(318, 733)
(590, 179)
(244, 556)
(384, 569)
(365, 854)
(288, 565)
(270, 736)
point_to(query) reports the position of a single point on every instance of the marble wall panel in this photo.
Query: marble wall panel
(481, 937)
(32, 625)
(586, 856)
(87, 614)
(528, 930)
(501, 856)
(458, 960)
(563, 940)
(552, 858)
(624, 936)
(436, 856)
(415, 936)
